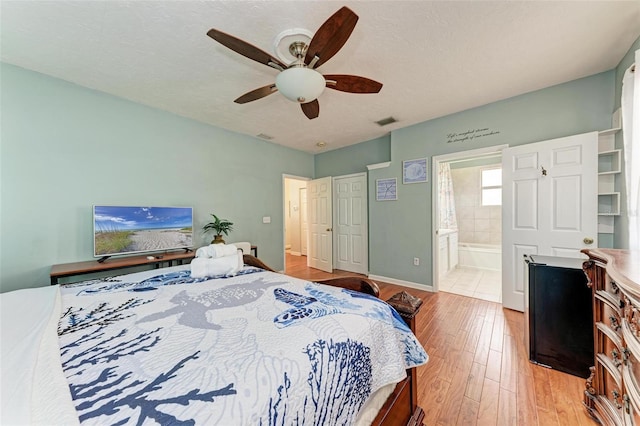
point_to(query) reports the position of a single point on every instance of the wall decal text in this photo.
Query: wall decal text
(471, 134)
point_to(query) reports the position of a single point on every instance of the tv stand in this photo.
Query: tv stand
(107, 264)
(103, 258)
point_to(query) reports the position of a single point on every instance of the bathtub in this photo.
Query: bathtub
(481, 256)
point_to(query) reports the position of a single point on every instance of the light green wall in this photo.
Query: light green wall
(65, 148)
(401, 230)
(621, 222)
(353, 159)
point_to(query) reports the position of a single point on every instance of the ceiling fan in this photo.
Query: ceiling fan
(299, 81)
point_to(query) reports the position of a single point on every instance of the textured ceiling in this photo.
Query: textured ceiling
(434, 58)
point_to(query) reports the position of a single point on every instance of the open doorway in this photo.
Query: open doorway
(295, 218)
(326, 222)
(467, 232)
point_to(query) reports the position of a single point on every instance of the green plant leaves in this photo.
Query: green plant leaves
(219, 226)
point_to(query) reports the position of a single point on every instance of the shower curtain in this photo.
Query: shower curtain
(447, 202)
(631, 139)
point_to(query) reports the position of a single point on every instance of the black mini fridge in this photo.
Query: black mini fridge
(558, 315)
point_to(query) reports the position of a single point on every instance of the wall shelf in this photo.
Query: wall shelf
(609, 204)
(609, 162)
(609, 166)
(609, 131)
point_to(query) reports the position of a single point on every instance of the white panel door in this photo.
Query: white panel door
(549, 205)
(320, 244)
(351, 234)
(304, 223)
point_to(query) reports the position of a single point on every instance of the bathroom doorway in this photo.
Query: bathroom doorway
(467, 226)
(295, 217)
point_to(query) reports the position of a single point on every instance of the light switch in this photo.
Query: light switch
(266, 219)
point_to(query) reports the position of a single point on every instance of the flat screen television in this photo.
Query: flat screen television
(122, 230)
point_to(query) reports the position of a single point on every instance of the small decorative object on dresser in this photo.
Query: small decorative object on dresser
(612, 394)
(219, 226)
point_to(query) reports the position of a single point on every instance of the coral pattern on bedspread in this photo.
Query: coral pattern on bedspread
(259, 348)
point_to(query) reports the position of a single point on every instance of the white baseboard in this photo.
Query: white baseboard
(295, 253)
(409, 284)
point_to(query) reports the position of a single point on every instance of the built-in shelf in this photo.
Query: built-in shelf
(609, 204)
(609, 131)
(609, 162)
(609, 166)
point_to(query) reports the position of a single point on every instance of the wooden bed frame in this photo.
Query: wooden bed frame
(401, 407)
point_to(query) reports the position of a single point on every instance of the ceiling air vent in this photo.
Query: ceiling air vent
(386, 121)
(265, 137)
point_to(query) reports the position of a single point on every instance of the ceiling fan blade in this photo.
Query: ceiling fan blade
(352, 83)
(311, 109)
(256, 94)
(245, 49)
(331, 36)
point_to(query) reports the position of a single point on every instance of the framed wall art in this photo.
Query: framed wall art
(414, 171)
(387, 189)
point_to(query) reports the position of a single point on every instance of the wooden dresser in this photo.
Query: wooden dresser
(612, 394)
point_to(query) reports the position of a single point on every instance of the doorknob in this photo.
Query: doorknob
(329, 229)
(587, 240)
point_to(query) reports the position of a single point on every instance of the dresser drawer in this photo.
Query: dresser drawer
(631, 314)
(607, 312)
(631, 371)
(611, 287)
(609, 347)
(610, 397)
(631, 397)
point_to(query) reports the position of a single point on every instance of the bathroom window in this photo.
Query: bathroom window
(492, 187)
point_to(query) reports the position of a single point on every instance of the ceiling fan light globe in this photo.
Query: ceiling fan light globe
(300, 84)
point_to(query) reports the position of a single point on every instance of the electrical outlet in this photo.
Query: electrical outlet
(416, 261)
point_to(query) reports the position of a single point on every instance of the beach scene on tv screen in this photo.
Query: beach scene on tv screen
(119, 230)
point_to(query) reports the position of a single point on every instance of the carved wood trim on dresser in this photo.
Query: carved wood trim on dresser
(612, 391)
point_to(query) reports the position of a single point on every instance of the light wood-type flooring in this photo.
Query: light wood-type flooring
(478, 372)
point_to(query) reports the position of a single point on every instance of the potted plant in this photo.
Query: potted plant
(219, 226)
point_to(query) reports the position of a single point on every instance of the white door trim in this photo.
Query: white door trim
(304, 225)
(284, 213)
(435, 204)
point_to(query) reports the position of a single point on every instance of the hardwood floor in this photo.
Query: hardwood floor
(478, 371)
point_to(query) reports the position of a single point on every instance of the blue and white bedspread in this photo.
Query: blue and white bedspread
(259, 348)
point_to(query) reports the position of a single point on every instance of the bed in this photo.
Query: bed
(161, 347)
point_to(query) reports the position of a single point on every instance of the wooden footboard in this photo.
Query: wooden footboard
(360, 284)
(254, 261)
(401, 407)
(363, 285)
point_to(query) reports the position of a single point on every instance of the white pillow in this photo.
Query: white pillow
(213, 267)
